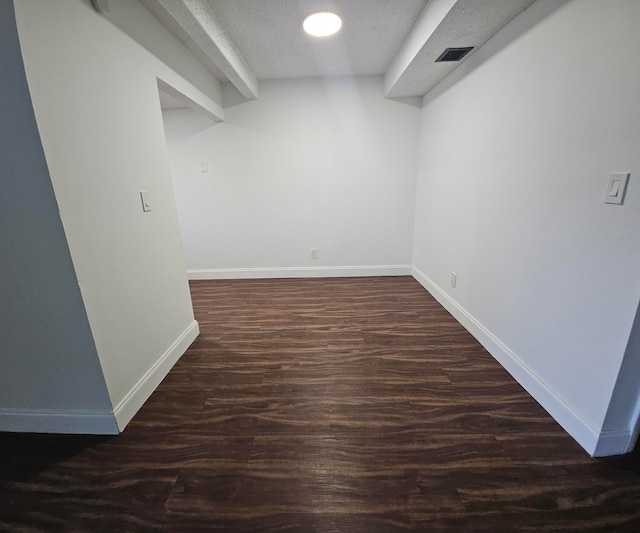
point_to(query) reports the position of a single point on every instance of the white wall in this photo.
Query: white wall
(95, 97)
(516, 149)
(311, 164)
(49, 366)
(624, 408)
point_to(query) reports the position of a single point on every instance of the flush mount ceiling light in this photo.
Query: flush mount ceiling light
(322, 24)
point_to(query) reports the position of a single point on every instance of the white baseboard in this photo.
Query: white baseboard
(300, 272)
(595, 442)
(614, 443)
(133, 401)
(99, 422)
(57, 421)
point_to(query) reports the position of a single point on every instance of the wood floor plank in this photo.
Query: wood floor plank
(323, 405)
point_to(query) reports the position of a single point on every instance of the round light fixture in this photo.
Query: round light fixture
(322, 24)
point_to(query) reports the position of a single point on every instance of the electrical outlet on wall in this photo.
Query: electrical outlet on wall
(454, 279)
(314, 253)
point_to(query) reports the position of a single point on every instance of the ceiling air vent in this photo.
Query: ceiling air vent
(454, 54)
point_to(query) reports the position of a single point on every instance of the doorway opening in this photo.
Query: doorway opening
(182, 117)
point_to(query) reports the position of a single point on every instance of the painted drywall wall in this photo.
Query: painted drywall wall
(624, 409)
(49, 366)
(516, 150)
(326, 164)
(95, 97)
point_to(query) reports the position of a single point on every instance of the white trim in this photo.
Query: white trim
(300, 272)
(78, 422)
(613, 443)
(635, 427)
(582, 430)
(99, 422)
(133, 401)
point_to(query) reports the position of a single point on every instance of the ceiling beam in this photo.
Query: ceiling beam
(196, 22)
(443, 24)
(431, 17)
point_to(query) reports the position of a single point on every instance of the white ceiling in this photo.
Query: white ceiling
(269, 35)
(244, 41)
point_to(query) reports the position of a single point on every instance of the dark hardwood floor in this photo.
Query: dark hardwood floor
(323, 405)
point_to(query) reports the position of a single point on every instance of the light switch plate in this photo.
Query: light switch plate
(146, 201)
(616, 188)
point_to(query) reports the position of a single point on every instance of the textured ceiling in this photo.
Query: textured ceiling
(467, 23)
(244, 41)
(269, 35)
